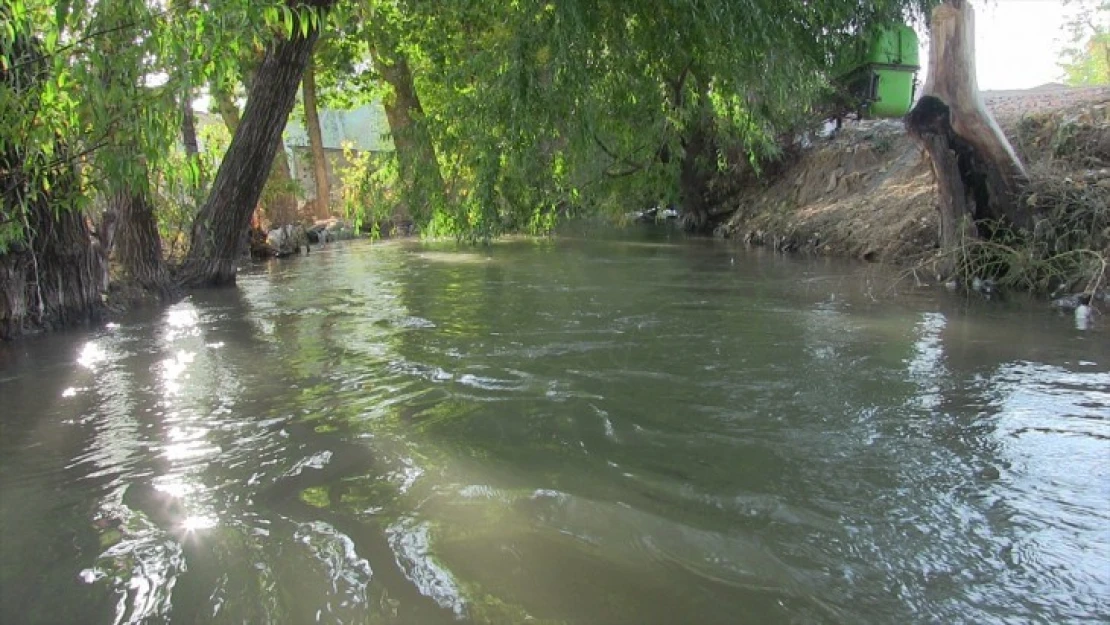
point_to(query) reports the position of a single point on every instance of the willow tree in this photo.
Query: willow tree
(52, 270)
(539, 107)
(217, 241)
(978, 173)
(134, 139)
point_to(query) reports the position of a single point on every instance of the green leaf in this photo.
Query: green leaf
(287, 21)
(61, 12)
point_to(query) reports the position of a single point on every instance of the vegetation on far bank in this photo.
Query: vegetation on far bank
(869, 192)
(504, 118)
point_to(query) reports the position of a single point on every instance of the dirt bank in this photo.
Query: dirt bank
(869, 192)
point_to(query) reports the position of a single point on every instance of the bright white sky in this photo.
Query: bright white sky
(1017, 42)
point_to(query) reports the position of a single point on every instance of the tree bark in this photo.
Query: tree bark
(420, 177)
(316, 141)
(229, 111)
(55, 273)
(279, 207)
(698, 150)
(189, 125)
(978, 174)
(137, 244)
(217, 241)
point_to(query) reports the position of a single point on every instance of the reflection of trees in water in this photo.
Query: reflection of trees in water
(54, 444)
(161, 419)
(389, 406)
(333, 491)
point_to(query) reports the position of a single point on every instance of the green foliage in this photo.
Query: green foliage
(368, 183)
(537, 105)
(108, 79)
(178, 190)
(36, 106)
(531, 110)
(1086, 61)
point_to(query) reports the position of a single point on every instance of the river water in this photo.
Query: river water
(559, 431)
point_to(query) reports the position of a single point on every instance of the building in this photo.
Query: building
(364, 129)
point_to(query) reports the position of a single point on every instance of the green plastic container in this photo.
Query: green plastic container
(895, 45)
(881, 70)
(893, 93)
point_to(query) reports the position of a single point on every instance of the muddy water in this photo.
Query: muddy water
(561, 431)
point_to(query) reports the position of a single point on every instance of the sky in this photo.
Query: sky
(1018, 42)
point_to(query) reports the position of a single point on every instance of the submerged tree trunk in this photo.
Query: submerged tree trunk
(316, 141)
(217, 240)
(978, 174)
(421, 180)
(56, 274)
(55, 278)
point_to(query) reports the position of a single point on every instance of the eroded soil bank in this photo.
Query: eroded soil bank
(868, 191)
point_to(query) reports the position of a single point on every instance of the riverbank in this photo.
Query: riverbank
(868, 192)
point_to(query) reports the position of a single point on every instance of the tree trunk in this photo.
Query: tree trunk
(978, 174)
(54, 273)
(279, 202)
(217, 241)
(138, 246)
(229, 111)
(698, 150)
(55, 279)
(188, 118)
(189, 126)
(279, 196)
(420, 178)
(316, 141)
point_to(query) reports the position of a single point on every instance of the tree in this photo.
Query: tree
(118, 65)
(279, 195)
(316, 141)
(504, 115)
(1087, 60)
(978, 174)
(421, 183)
(52, 269)
(217, 240)
(537, 107)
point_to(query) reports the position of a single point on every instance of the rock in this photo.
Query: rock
(990, 473)
(288, 240)
(1071, 302)
(986, 287)
(320, 234)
